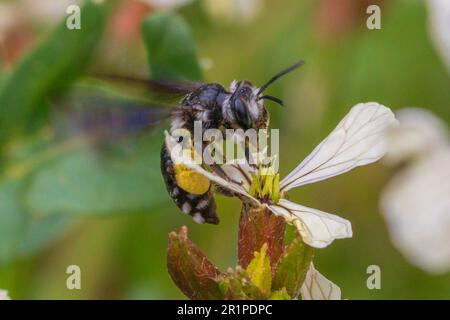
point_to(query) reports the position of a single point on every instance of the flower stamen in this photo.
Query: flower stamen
(265, 185)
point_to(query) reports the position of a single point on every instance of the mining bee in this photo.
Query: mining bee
(241, 106)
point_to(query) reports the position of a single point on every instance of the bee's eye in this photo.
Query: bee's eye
(241, 113)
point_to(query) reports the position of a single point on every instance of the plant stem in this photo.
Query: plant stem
(256, 227)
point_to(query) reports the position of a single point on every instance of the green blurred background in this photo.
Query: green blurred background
(62, 204)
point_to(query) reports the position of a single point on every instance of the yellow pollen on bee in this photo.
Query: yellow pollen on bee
(191, 181)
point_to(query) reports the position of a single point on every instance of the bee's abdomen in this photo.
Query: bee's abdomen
(201, 207)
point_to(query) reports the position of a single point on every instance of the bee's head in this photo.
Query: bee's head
(244, 109)
(245, 106)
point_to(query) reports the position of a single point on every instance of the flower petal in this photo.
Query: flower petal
(4, 295)
(416, 207)
(317, 228)
(166, 4)
(236, 171)
(419, 133)
(439, 21)
(358, 139)
(226, 181)
(317, 287)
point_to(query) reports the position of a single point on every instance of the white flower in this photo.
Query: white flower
(46, 11)
(416, 206)
(4, 295)
(357, 140)
(166, 4)
(416, 202)
(18, 12)
(233, 11)
(420, 133)
(226, 11)
(439, 20)
(317, 287)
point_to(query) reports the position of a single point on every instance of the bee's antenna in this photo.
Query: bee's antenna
(279, 75)
(272, 98)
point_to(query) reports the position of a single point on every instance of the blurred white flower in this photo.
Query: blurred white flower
(357, 140)
(317, 287)
(4, 295)
(439, 20)
(166, 4)
(40, 11)
(45, 11)
(233, 11)
(420, 133)
(416, 202)
(224, 11)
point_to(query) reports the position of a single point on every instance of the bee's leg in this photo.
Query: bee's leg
(201, 207)
(218, 188)
(223, 191)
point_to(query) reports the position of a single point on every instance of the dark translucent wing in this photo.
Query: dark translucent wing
(104, 115)
(159, 89)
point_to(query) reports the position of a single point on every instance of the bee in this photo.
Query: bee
(241, 106)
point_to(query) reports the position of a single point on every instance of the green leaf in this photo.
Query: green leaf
(48, 69)
(12, 219)
(82, 182)
(237, 285)
(43, 231)
(280, 295)
(170, 46)
(71, 176)
(20, 234)
(292, 268)
(259, 270)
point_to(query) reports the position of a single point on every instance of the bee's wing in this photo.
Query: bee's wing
(106, 115)
(156, 89)
(358, 139)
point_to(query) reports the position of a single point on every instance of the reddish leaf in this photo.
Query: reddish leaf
(190, 269)
(256, 227)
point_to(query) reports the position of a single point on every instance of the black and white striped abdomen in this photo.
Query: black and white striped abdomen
(201, 207)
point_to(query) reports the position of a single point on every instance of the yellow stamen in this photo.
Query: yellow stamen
(267, 189)
(276, 188)
(265, 183)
